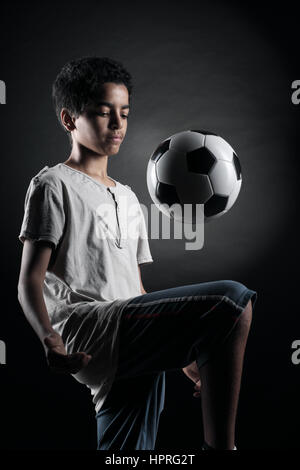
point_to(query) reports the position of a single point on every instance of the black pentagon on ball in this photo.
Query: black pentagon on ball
(200, 160)
(237, 166)
(202, 131)
(215, 205)
(161, 149)
(167, 193)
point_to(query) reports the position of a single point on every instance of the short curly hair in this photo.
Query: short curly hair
(78, 83)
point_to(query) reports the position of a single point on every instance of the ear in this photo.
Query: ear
(67, 120)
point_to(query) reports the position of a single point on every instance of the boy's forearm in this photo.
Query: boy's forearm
(141, 283)
(31, 299)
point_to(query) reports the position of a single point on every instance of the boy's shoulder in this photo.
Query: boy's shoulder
(47, 175)
(127, 187)
(127, 190)
(55, 177)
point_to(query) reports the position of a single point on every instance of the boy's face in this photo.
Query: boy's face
(96, 126)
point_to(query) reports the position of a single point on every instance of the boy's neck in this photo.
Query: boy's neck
(89, 162)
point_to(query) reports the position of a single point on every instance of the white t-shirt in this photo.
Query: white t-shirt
(99, 236)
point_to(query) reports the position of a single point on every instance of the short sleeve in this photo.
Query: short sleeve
(143, 249)
(44, 216)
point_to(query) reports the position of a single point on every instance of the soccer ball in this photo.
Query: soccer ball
(194, 167)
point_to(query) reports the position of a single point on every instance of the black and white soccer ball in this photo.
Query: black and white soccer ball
(194, 167)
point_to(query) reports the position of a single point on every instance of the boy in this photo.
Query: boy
(81, 289)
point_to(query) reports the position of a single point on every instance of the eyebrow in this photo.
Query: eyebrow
(110, 105)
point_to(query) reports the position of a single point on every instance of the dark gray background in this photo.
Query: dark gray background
(225, 68)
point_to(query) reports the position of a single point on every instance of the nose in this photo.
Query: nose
(116, 121)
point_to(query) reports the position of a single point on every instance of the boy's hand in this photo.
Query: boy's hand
(192, 372)
(58, 359)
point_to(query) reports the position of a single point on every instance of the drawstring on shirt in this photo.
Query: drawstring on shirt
(117, 241)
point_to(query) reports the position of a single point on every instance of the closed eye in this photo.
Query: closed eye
(125, 116)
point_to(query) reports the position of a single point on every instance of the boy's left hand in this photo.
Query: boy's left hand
(58, 359)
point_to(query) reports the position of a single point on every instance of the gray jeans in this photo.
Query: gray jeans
(163, 330)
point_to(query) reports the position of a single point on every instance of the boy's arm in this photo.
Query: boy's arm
(35, 261)
(142, 287)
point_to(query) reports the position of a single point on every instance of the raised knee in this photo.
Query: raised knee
(234, 289)
(248, 307)
(246, 315)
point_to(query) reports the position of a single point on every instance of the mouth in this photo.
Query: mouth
(115, 138)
